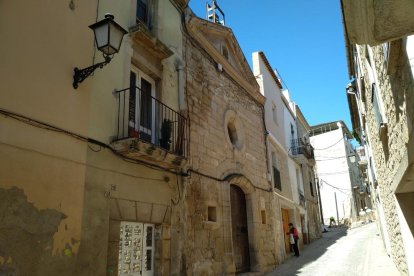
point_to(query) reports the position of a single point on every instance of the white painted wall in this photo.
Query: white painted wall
(289, 120)
(279, 129)
(409, 47)
(273, 94)
(332, 169)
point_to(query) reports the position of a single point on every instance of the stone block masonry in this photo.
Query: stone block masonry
(395, 92)
(226, 148)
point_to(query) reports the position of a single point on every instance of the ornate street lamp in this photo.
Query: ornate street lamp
(108, 38)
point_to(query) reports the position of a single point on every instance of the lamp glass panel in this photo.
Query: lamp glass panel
(115, 36)
(101, 35)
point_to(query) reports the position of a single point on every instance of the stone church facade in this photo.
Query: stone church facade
(230, 223)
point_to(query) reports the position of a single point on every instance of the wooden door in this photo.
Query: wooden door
(240, 233)
(285, 226)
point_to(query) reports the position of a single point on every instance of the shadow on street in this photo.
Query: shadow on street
(310, 252)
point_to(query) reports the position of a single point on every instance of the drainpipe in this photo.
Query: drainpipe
(320, 202)
(180, 70)
(266, 141)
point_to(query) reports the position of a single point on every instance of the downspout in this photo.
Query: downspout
(320, 201)
(266, 141)
(181, 97)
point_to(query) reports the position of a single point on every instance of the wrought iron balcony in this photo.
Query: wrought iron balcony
(149, 129)
(297, 147)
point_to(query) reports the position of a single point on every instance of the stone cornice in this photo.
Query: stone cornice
(374, 22)
(142, 36)
(253, 90)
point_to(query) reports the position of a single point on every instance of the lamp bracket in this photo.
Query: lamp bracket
(81, 74)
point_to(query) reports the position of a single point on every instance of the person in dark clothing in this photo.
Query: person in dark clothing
(294, 232)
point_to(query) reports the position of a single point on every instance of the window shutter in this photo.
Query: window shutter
(276, 179)
(375, 105)
(132, 97)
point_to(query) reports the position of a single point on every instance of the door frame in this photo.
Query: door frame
(247, 225)
(141, 75)
(144, 247)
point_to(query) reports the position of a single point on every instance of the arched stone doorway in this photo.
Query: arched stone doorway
(240, 233)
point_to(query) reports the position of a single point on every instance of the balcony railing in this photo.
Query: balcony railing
(299, 147)
(143, 117)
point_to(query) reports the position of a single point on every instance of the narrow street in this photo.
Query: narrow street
(342, 251)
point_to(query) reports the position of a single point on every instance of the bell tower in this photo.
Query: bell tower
(214, 13)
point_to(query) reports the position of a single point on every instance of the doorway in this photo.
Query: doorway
(136, 249)
(240, 233)
(285, 227)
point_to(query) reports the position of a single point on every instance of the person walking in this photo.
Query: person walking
(293, 237)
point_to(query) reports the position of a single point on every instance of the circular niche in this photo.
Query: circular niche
(234, 130)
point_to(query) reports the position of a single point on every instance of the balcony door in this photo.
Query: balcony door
(142, 105)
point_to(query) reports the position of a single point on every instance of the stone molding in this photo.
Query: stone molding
(193, 24)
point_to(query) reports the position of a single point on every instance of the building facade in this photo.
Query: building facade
(304, 153)
(380, 56)
(289, 159)
(89, 178)
(229, 223)
(342, 190)
(380, 100)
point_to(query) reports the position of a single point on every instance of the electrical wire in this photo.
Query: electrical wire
(94, 150)
(330, 145)
(42, 125)
(225, 179)
(332, 173)
(327, 158)
(339, 189)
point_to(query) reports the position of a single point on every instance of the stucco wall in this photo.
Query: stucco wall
(272, 92)
(332, 168)
(42, 172)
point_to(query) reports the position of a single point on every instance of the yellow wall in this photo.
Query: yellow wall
(42, 42)
(59, 176)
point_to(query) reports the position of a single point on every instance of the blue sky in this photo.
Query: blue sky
(304, 41)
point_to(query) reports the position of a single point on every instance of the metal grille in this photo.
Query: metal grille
(299, 147)
(146, 118)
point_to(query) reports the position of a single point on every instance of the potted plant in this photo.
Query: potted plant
(332, 222)
(132, 132)
(166, 129)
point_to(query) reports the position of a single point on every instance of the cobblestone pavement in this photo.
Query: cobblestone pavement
(342, 251)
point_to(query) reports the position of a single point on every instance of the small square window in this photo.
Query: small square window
(212, 213)
(263, 215)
